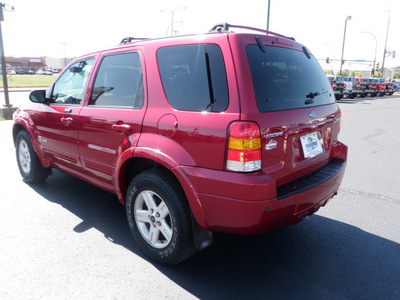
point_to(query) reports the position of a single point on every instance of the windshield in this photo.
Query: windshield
(287, 79)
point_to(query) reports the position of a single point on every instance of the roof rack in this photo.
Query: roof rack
(131, 39)
(225, 27)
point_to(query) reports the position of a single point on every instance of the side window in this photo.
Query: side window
(194, 77)
(69, 88)
(119, 82)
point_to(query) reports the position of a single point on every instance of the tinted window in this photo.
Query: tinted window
(69, 88)
(119, 82)
(194, 77)
(286, 79)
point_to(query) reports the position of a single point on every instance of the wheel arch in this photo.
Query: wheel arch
(22, 124)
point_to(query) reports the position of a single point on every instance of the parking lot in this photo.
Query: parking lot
(66, 239)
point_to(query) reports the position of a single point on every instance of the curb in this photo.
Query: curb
(24, 89)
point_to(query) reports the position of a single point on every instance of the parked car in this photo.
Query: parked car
(338, 87)
(395, 87)
(226, 131)
(389, 88)
(380, 87)
(353, 88)
(370, 86)
(47, 72)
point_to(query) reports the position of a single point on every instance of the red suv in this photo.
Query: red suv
(227, 131)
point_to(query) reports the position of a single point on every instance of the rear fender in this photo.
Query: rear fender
(170, 155)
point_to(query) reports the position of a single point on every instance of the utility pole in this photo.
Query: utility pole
(384, 52)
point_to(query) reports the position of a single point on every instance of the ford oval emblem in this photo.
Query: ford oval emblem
(313, 114)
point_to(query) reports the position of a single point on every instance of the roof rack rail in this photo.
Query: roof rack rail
(225, 27)
(131, 39)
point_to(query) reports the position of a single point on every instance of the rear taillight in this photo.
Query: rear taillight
(244, 147)
(369, 86)
(358, 85)
(345, 85)
(334, 85)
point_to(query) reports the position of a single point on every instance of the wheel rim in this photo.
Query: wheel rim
(153, 219)
(24, 156)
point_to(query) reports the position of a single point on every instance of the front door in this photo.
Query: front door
(57, 122)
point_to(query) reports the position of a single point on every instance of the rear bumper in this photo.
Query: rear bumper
(252, 204)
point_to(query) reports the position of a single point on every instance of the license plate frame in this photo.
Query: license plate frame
(311, 145)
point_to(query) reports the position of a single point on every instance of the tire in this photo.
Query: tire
(159, 217)
(29, 164)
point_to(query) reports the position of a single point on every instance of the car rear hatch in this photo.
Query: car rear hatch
(291, 100)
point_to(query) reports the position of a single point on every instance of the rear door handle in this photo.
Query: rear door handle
(120, 128)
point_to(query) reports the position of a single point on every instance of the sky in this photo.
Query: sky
(56, 28)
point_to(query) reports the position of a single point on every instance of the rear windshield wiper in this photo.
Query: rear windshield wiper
(312, 95)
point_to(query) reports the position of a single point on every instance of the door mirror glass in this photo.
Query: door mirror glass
(38, 96)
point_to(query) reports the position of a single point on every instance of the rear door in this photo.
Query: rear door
(111, 120)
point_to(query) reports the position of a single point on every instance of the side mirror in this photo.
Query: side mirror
(75, 69)
(38, 96)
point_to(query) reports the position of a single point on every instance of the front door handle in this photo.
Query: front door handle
(120, 128)
(67, 120)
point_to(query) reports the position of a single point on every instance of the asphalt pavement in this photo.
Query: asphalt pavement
(66, 239)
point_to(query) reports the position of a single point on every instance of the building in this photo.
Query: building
(23, 65)
(26, 65)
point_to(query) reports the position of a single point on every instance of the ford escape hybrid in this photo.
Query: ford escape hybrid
(228, 131)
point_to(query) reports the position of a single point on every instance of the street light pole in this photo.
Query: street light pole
(384, 52)
(4, 69)
(344, 39)
(65, 54)
(3, 59)
(172, 17)
(269, 5)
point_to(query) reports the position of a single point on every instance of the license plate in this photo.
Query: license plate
(311, 145)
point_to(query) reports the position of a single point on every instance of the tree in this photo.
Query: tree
(343, 73)
(396, 75)
(356, 74)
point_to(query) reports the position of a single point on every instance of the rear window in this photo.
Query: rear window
(287, 79)
(194, 77)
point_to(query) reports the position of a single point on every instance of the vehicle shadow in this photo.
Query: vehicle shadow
(354, 101)
(319, 258)
(365, 100)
